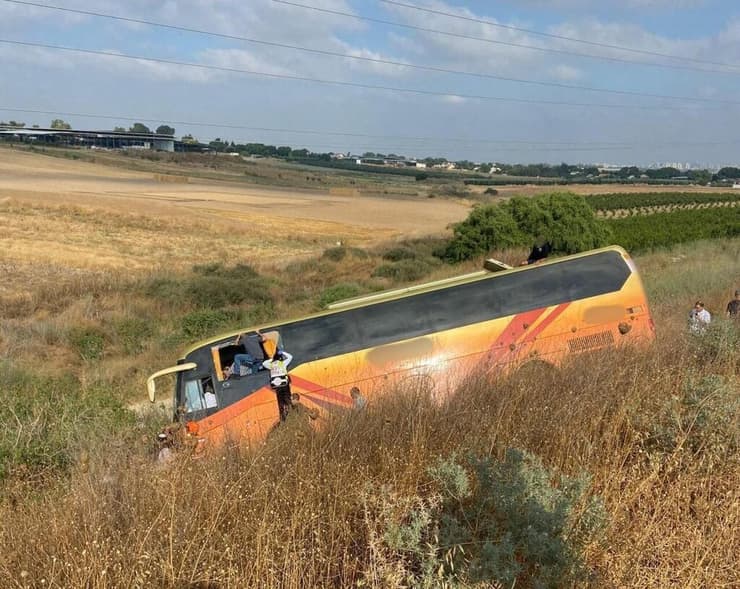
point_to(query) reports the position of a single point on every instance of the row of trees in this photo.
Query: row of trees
(617, 201)
(541, 170)
(61, 124)
(568, 222)
(643, 232)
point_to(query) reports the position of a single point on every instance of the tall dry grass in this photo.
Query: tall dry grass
(293, 512)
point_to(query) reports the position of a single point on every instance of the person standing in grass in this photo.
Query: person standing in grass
(280, 380)
(733, 307)
(699, 318)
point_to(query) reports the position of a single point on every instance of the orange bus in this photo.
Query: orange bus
(439, 331)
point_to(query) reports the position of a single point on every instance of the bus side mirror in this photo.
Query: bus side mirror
(152, 388)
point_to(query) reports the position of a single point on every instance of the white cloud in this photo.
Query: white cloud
(454, 99)
(565, 73)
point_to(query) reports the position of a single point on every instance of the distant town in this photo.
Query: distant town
(139, 136)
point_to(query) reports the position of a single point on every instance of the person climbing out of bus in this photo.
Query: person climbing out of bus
(280, 380)
(540, 250)
(248, 363)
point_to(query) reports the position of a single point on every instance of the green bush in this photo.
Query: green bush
(206, 322)
(396, 254)
(510, 523)
(89, 342)
(335, 254)
(406, 270)
(702, 418)
(338, 292)
(563, 219)
(132, 333)
(212, 286)
(45, 422)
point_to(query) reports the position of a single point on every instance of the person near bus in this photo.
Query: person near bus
(280, 380)
(733, 307)
(540, 250)
(699, 318)
(248, 362)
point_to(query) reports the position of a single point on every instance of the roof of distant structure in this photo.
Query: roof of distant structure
(6, 130)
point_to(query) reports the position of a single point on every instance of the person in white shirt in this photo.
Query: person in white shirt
(280, 380)
(699, 318)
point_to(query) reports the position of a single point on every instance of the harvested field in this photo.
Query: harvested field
(84, 215)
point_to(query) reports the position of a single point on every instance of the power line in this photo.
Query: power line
(365, 58)
(555, 36)
(540, 144)
(505, 43)
(417, 91)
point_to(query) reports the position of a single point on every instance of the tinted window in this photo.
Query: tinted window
(483, 300)
(465, 304)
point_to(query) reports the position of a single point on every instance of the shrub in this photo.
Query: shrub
(132, 332)
(338, 292)
(44, 422)
(491, 191)
(509, 523)
(406, 270)
(206, 322)
(212, 286)
(335, 254)
(702, 418)
(396, 254)
(88, 341)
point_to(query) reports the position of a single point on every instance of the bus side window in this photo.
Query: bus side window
(194, 396)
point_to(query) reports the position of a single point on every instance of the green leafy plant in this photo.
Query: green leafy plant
(563, 219)
(338, 292)
(507, 523)
(88, 341)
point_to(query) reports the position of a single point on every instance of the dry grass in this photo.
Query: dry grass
(293, 512)
(290, 513)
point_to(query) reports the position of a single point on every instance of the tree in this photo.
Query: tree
(60, 124)
(188, 139)
(119, 129)
(561, 218)
(139, 128)
(727, 173)
(165, 130)
(218, 145)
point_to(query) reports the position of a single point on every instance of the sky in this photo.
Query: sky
(630, 82)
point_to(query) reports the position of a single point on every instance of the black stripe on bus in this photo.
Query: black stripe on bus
(447, 308)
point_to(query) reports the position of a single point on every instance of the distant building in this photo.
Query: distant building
(92, 139)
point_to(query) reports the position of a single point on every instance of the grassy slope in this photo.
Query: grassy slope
(84, 506)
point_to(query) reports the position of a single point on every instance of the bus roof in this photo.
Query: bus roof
(393, 294)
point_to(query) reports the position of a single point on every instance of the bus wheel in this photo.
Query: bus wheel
(536, 371)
